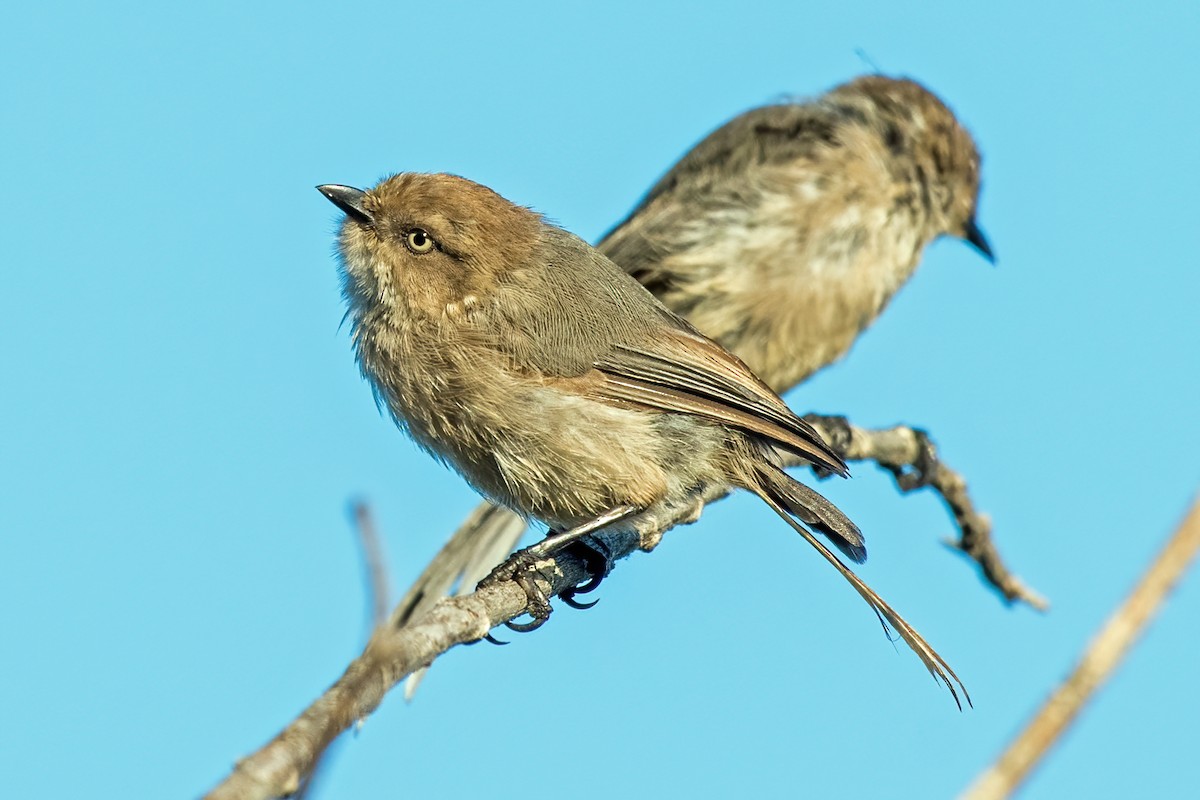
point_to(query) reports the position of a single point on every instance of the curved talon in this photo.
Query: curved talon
(493, 640)
(595, 561)
(589, 586)
(526, 627)
(522, 566)
(568, 597)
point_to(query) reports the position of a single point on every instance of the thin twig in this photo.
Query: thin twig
(394, 652)
(279, 767)
(1099, 661)
(911, 457)
(378, 599)
(378, 586)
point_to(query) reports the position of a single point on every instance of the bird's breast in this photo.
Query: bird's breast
(539, 445)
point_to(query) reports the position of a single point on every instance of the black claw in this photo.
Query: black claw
(526, 627)
(595, 561)
(588, 586)
(568, 597)
(494, 640)
(520, 566)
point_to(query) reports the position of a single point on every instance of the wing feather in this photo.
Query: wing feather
(684, 371)
(583, 317)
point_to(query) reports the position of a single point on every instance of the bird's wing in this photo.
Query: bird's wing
(582, 316)
(777, 133)
(683, 371)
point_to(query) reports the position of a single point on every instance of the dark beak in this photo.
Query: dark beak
(971, 233)
(348, 199)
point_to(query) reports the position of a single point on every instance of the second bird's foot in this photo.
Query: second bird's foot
(837, 433)
(924, 468)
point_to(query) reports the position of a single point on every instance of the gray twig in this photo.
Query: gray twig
(379, 597)
(1100, 660)
(910, 455)
(279, 768)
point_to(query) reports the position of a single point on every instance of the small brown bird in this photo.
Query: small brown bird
(555, 383)
(785, 232)
(782, 235)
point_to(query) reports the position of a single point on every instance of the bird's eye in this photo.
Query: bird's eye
(418, 241)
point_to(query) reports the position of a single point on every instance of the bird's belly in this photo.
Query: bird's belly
(565, 459)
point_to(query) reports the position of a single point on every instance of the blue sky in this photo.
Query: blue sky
(183, 426)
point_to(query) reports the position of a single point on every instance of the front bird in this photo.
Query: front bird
(556, 384)
(783, 235)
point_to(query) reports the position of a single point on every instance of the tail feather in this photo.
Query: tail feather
(814, 510)
(484, 540)
(937, 667)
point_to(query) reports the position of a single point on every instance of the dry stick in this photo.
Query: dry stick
(379, 599)
(378, 585)
(392, 653)
(911, 457)
(1098, 662)
(281, 765)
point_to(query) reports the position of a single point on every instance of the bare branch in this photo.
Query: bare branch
(910, 455)
(396, 651)
(379, 599)
(278, 768)
(378, 585)
(1099, 661)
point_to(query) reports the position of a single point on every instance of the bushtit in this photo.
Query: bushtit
(556, 384)
(785, 232)
(782, 235)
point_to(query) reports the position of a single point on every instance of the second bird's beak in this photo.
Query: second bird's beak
(971, 234)
(348, 199)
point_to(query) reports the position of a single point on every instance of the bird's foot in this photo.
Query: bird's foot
(521, 567)
(838, 434)
(923, 469)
